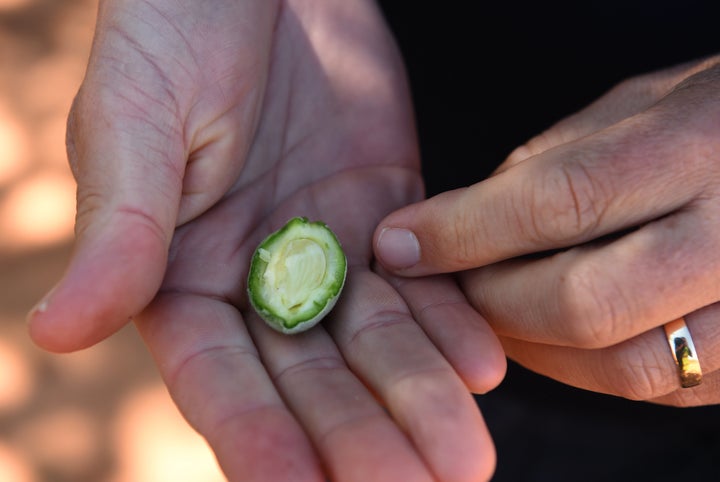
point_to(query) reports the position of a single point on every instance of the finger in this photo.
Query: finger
(624, 100)
(129, 182)
(610, 181)
(216, 378)
(354, 436)
(459, 332)
(602, 293)
(698, 396)
(155, 137)
(641, 368)
(385, 347)
(125, 148)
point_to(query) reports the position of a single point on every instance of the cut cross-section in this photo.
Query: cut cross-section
(296, 275)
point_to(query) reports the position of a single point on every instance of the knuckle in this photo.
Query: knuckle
(637, 373)
(688, 398)
(459, 241)
(567, 205)
(90, 197)
(519, 154)
(592, 307)
(71, 132)
(90, 200)
(533, 146)
(95, 210)
(635, 87)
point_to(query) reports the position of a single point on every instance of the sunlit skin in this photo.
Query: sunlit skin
(625, 195)
(200, 128)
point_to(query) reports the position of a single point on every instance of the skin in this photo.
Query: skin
(198, 130)
(593, 235)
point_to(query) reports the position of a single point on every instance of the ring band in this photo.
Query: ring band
(684, 353)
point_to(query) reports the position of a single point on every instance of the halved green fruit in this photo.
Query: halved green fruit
(296, 275)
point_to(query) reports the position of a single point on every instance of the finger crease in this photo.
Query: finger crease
(383, 320)
(317, 363)
(213, 351)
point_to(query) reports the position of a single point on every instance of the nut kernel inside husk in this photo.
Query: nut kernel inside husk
(296, 275)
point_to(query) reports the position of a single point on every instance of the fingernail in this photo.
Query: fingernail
(40, 307)
(398, 248)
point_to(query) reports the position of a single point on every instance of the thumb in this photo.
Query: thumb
(523, 210)
(428, 237)
(129, 178)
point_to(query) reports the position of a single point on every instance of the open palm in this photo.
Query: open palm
(203, 126)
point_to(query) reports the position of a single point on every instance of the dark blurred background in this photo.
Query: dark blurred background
(485, 78)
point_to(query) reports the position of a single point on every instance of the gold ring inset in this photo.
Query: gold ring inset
(684, 353)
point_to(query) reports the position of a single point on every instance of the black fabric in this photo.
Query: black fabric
(486, 79)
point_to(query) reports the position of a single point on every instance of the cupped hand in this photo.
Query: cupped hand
(592, 236)
(200, 128)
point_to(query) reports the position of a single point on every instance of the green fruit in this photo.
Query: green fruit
(296, 275)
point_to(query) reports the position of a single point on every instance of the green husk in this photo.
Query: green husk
(296, 275)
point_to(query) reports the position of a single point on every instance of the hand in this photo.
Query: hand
(200, 128)
(592, 236)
